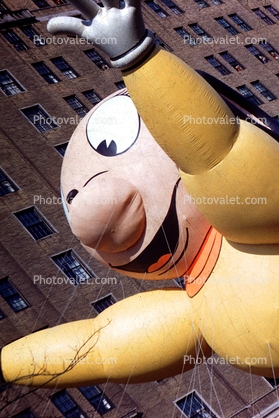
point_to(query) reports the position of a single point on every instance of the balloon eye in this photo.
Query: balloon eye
(71, 196)
(113, 127)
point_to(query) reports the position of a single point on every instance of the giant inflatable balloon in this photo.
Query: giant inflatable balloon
(127, 201)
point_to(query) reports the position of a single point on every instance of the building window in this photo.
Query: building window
(9, 85)
(15, 40)
(257, 53)
(200, 32)
(3, 7)
(217, 2)
(159, 41)
(33, 35)
(41, 3)
(263, 16)
(264, 91)
(97, 398)
(232, 61)
(223, 22)
(10, 294)
(65, 68)
(97, 59)
(273, 382)
(2, 316)
(72, 267)
(273, 11)
(269, 48)
(120, 85)
(157, 9)
(249, 95)
(39, 118)
(27, 413)
(192, 406)
(92, 96)
(101, 304)
(6, 184)
(186, 36)
(217, 65)
(240, 22)
(46, 73)
(76, 105)
(202, 3)
(34, 222)
(61, 148)
(171, 5)
(67, 405)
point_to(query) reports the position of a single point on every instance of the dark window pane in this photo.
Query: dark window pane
(217, 64)
(67, 406)
(34, 223)
(194, 407)
(92, 96)
(15, 40)
(223, 22)
(61, 148)
(39, 118)
(186, 36)
(64, 67)
(257, 53)
(263, 16)
(156, 8)
(97, 59)
(11, 295)
(72, 267)
(46, 73)
(41, 3)
(249, 95)
(97, 398)
(102, 304)
(273, 11)
(202, 3)
(201, 32)
(264, 91)
(232, 61)
(76, 105)
(240, 22)
(27, 413)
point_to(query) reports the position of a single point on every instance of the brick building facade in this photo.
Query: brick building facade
(235, 41)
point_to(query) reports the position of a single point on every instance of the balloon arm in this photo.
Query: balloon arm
(119, 343)
(224, 161)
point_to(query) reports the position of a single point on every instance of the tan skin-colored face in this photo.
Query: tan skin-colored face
(123, 196)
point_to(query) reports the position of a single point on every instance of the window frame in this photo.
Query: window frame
(84, 110)
(46, 114)
(66, 70)
(192, 41)
(261, 15)
(226, 71)
(101, 395)
(60, 145)
(265, 90)
(43, 220)
(50, 72)
(244, 26)
(201, 400)
(15, 81)
(9, 179)
(73, 281)
(256, 53)
(255, 99)
(231, 60)
(104, 65)
(229, 28)
(92, 91)
(17, 41)
(15, 293)
(203, 35)
(109, 295)
(71, 399)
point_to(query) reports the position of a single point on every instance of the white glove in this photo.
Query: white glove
(117, 29)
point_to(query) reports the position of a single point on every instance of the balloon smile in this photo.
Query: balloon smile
(161, 249)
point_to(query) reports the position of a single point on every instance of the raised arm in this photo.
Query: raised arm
(226, 165)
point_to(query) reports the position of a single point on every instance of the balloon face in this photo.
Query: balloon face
(123, 196)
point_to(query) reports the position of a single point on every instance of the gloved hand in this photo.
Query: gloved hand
(117, 28)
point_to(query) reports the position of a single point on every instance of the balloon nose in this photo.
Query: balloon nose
(108, 214)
